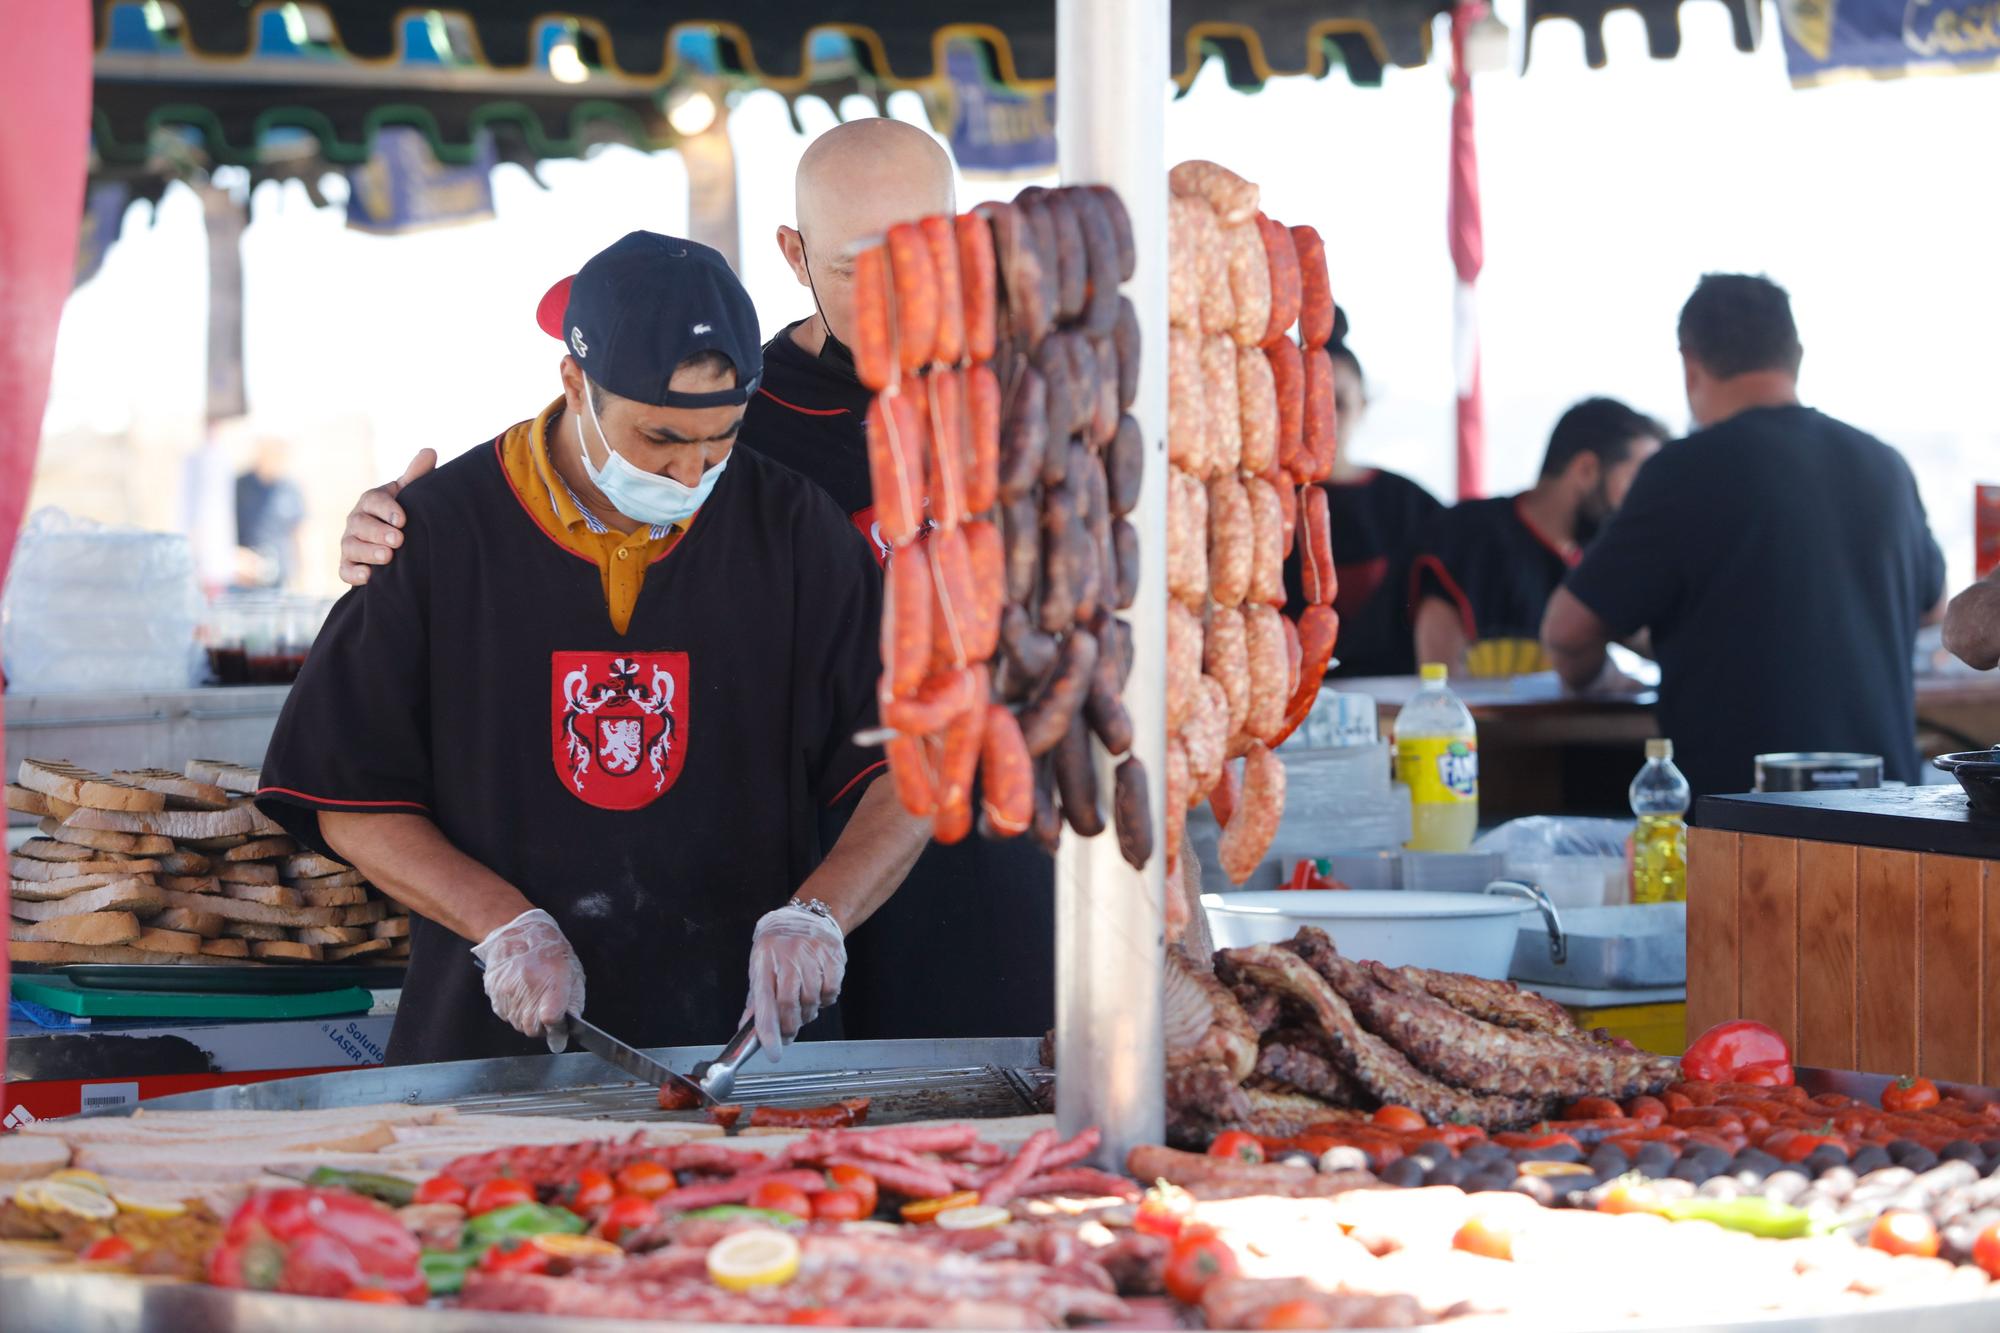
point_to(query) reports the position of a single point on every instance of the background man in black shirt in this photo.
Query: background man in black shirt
(1484, 570)
(1780, 558)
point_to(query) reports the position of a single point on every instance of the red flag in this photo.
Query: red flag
(1468, 253)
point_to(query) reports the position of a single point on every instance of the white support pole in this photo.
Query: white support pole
(1111, 90)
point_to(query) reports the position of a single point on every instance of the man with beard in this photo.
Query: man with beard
(966, 948)
(1485, 569)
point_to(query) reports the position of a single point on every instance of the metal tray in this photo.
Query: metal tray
(225, 978)
(1610, 948)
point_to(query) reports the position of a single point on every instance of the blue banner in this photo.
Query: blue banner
(404, 189)
(1830, 40)
(997, 131)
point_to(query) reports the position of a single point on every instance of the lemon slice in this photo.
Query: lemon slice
(870, 1227)
(58, 1197)
(576, 1247)
(972, 1218)
(748, 1259)
(1553, 1170)
(89, 1180)
(155, 1208)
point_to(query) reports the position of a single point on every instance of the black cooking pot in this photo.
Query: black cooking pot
(1978, 771)
(1817, 771)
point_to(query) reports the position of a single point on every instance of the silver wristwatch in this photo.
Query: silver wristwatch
(816, 907)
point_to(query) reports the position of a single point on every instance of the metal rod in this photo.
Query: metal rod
(1111, 89)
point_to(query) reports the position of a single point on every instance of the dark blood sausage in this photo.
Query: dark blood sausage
(1024, 436)
(962, 737)
(1288, 378)
(1121, 229)
(1076, 781)
(914, 278)
(944, 400)
(1125, 467)
(874, 329)
(1125, 555)
(1101, 261)
(1030, 651)
(1319, 434)
(1046, 826)
(1283, 257)
(896, 467)
(948, 343)
(1122, 645)
(1072, 261)
(976, 278)
(1132, 813)
(1315, 289)
(906, 622)
(1062, 556)
(1038, 230)
(1102, 708)
(910, 767)
(1125, 339)
(1083, 382)
(1021, 524)
(982, 445)
(1054, 706)
(839, 1115)
(1104, 405)
(1006, 774)
(1095, 530)
(1058, 374)
(1019, 264)
(984, 551)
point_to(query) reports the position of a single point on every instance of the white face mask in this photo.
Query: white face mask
(646, 496)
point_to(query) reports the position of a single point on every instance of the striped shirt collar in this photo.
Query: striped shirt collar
(552, 477)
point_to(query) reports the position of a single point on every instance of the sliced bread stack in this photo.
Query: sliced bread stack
(151, 866)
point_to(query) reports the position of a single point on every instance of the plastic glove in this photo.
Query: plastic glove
(797, 960)
(533, 978)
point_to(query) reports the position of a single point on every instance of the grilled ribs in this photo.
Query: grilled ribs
(1303, 1061)
(1499, 1002)
(1204, 1023)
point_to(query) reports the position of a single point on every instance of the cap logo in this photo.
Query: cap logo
(576, 341)
(698, 330)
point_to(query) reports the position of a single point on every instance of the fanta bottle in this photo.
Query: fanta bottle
(1437, 758)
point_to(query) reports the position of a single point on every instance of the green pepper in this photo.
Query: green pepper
(445, 1270)
(392, 1190)
(1752, 1214)
(520, 1220)
(731, 1212)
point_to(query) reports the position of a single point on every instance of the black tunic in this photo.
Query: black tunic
(656, 791)
(1375, 523)
(1496, 569)
(966, 948)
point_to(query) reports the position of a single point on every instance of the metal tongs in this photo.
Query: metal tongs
(717, 1077)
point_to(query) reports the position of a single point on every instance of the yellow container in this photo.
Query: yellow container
(1660, 1028)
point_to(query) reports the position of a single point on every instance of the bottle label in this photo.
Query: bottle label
(1439, 771)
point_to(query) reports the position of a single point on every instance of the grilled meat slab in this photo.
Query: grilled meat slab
(1202, 1101)
(1204, 1023)
(1303, 1061)
(1500, 1002)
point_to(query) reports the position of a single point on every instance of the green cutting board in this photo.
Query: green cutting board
(63, 995)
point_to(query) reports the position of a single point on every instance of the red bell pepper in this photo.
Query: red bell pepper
(317, 1242)
(1739, 1052)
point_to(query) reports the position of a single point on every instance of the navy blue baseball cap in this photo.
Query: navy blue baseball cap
(644, 305)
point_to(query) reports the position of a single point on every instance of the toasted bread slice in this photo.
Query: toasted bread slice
(364, 914)
(214, 847)
(290, 951)
(271, 895)
(338, 895)
(81, 787)
(395, 928)
(182, 793)
(153, 939)
(336, 880)
(205, 924)
(90, 928)
(226, 948)
(48, 849)
(127, 895)
(185, 863)
(100, 863)
(253, 930)
(190, 883)
(223, 773)
(236, 910)
(330, 935)
(26, 1157)
(246, 872)
(310, 865)
(342, 952)
(261, 849)
(192, 825)
(24, 801)
(48, 890)
(33, 951)
(105, 840)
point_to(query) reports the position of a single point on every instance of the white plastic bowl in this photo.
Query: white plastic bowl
(1453, 932)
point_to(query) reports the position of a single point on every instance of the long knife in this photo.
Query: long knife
(631, 1060)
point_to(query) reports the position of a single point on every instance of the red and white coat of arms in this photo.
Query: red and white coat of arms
(620, 725)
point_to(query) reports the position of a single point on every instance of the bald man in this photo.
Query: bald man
(966, 948)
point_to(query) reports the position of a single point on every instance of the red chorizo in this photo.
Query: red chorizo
(1124, 467)
(1076, 780)
(1249, 281)
(1072, 261)
(1231, 541)
(1207, 738)
(909, 767)
(1248, 836)
(1319, 435)
(944, 400)
(948, 342)
(1267, 557)
(874, 319)
(906, 622)
(1054, 706)
(943, 697)
(1100, 253)
(1183, 274)
(1316, 570)
(1184, 655)
(1257, 392)
(1233, 198)
(982, 431)
(983, 551)
(1125, 563)
(1226, 660)
(1315, 289)
(1270, 672)
(1125, 341)
(915, 282)
(1288, 510)
(1225, 405)
(896, 467)
(951, 622)
(1121, 229)
(1282, 258)
(1024, 436)
(1132, 813)
(1187, 540)
(960, 761)
(1288, 386)
(1319, 630)
(1187, 403)
(1021, 520)
(976, 277)
(1006, 774)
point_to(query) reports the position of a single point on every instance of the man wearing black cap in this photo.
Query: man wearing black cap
(588, 718)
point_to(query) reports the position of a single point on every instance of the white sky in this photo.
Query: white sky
(1607, 193)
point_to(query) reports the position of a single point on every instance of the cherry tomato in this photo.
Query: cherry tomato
(107, 1250)
(837, 1206)
(778, 1197)
(590, 1191)
(514, 1256)
(500, 1192)
(627, 1212)
(441, 1189)
(817, 1317)
(1986, 1250)
(1235, 1143)
(856, 1181)
(1163, 1211)
(1485, 1237)
(1593, 1108)
(1899, 1231)
(1795, 1145)
(648, 1180)
(1909, 1093)
(1541, 1137)
(1294, 1314)
(373, 1296)
(1401, 1119)
(1195, 1262)
(1738, 1052)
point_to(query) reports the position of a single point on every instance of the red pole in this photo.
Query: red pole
(44, 150)
(1468, 254)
